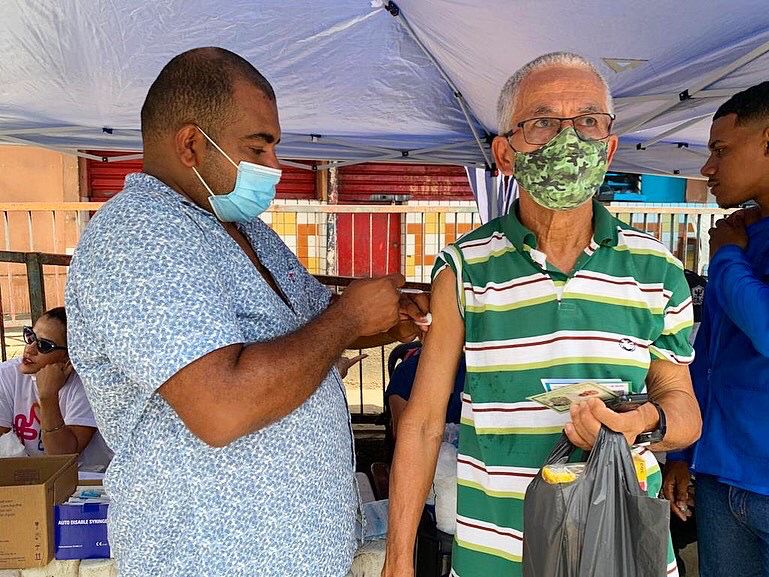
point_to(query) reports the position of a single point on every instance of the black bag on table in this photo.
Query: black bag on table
(601, 525)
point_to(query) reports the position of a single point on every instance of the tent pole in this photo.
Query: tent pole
(702, 94)
(429, 158)
(676, 129)
(393, 9)
(51, 130)
(14, 140)
(137, 156)
(296, 165)
(370, 159)
(440, 148)
(695, 152)
(318, 139)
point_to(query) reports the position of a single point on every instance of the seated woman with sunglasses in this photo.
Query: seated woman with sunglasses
(43, 400)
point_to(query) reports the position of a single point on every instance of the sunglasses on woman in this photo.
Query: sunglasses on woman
(43, 345)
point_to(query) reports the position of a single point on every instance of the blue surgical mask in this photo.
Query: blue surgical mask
(253, 193)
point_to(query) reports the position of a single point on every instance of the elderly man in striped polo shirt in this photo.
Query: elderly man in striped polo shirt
(558, 288)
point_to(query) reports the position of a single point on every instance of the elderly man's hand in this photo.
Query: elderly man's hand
(588, 416)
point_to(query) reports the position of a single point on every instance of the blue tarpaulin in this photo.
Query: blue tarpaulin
(358, 80)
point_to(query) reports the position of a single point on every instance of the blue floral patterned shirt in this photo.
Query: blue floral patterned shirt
(156, 283)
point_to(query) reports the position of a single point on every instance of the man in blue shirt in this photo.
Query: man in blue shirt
(731, 368)
(207, 350)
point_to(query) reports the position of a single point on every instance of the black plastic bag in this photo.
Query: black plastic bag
(601, 525)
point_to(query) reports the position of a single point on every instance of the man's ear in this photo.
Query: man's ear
(613, 144)
(190, 145)
(503, 155)
(765, 140)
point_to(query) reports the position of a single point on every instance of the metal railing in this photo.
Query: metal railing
(34, 266)
(683, 230)
(342, 240)
(365, 384)
(332, 241)
(51, 228)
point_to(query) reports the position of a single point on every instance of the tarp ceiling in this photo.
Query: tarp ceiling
(355, 82)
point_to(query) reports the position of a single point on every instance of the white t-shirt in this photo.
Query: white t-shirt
(18, 411)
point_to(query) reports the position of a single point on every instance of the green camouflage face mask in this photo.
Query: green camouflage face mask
(565, 173)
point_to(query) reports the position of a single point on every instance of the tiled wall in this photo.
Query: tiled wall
(423, 235)
(427, 233)
(304, 233)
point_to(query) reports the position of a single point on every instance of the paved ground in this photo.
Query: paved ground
(374, 378)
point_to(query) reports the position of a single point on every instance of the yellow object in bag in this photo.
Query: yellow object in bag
(563, 473)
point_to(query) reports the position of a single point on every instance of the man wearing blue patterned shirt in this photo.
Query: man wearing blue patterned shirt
(207, 350)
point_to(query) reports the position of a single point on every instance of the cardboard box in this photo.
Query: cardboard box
(80, 526)
(29, 488)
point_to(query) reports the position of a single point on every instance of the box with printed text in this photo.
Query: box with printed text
(29, 489)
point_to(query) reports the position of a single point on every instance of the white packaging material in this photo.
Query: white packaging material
(451, 434)
(11, 445)
(98, 568)
(54, 569)
(365, 490)
(445, 486)
(375, 516)
(10, 572)
(369, 560)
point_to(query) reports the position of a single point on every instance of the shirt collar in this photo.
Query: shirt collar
(142, 180)
(604, 225)
(604, 228)
(515, 231)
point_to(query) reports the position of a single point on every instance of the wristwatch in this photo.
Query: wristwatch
(656, 435)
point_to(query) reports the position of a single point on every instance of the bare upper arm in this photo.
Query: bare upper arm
(439, 359)
(665, 376)
(671, 386)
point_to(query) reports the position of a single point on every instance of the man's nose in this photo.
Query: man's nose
(272, 161)
(564, 121)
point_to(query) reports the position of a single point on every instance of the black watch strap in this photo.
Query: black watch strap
(658, 434)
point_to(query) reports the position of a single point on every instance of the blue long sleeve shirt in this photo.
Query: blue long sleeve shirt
(731, 368)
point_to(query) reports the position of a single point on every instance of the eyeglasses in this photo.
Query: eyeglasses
(589, 127)
(43, 345)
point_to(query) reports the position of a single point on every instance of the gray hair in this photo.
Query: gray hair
(509, 94)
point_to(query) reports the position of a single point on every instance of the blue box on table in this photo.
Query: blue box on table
(80, 531)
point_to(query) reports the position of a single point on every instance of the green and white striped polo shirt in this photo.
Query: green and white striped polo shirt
(626, 302)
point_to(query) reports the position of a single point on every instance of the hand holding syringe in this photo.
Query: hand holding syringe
(426, 318)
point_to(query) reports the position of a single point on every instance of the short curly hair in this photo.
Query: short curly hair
(509, 93)
(750, 105)
(196, 87)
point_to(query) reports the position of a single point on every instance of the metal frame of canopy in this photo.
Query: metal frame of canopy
(471, 151)
(367, 152)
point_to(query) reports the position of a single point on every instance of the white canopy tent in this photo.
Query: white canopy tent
(361, 81)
